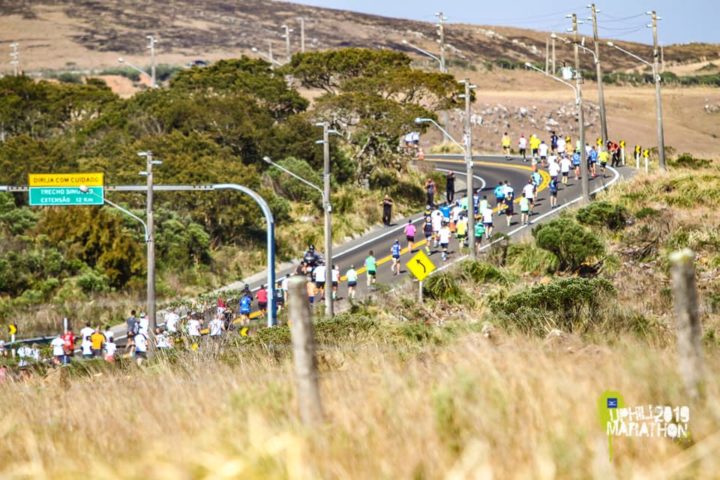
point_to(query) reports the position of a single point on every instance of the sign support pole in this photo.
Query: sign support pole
(420, 292)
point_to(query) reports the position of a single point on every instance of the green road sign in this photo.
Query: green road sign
(64, 196)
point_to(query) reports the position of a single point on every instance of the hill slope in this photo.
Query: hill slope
(88, 34)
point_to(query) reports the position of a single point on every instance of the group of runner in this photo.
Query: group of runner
(561, 151)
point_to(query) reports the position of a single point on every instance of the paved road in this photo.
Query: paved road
(487, 173)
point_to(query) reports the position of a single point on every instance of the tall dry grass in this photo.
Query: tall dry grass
(509, 407)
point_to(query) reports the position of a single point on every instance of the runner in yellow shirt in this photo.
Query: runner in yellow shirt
(534, 145)
(506, 144)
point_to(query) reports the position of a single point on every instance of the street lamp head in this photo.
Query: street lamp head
(144, 153)
(420, 120)
(267, 159)
(610, 44)
(84, 189)
(528, 64)
(405, 41)
(254, 49)
(569, 15)
(553, 35)
(143, 173)
(156, 162)
(649, 12)
(121, 60)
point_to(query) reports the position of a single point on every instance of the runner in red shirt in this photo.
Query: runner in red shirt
(69, 340)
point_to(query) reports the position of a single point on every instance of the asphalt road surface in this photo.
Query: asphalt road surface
(488, 171)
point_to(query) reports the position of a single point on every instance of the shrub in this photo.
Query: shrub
(527, 258)
(572, 244)
(444, 286)
(603, 214)
(92, 281)
(686, 160)
(565, 304)
(481, 272)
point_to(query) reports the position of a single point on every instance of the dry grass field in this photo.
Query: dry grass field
(472, 408)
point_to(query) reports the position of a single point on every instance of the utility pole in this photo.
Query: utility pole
(302, 34)
(469, 169)
(329, 312)
(287, 41)
(15, 56)
(547, 55)
(598, 73)
(552, 39)
(150, 221)
(151, 47)
(658, 94)
(581, 118)
(441, 40)
(443, 66)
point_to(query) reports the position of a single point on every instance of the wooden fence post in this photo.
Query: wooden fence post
(687, 321)
(303, 341)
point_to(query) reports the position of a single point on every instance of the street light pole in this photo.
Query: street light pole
(658, 94)
(150, 220)
(328, 219)
(469, 168)
(581, 118)
(598, 73)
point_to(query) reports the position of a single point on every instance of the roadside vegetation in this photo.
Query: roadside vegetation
(209, 125)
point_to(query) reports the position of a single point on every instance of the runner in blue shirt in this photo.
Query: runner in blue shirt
(499, 194)
(395, 252)
(245, 307)
(553, 193)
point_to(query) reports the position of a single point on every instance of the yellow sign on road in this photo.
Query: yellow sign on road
(420, 265)
(66, 179)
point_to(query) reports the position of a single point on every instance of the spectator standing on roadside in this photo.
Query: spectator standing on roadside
(450, 187)
(430, 192)
(387, 205)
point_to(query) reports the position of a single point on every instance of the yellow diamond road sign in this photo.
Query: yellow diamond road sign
(420, 265)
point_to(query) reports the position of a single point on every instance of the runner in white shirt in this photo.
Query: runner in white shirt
(554, 170)
(144, 322)
(86, 331)
(565, 165)
(193, 327)
(561, 145)
(141, 345)
(320, 272)
(444, 236)
(487, 215)
(171, 322)
(543, 149)
(110, 349)
(162, 340)
(436, 226)
(216, 327)
(87, 348)
(58, 349)
(529, 191)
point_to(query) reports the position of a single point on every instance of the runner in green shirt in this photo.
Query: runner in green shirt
(371, 267)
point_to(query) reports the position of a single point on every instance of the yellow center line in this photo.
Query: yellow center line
(543, 185)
